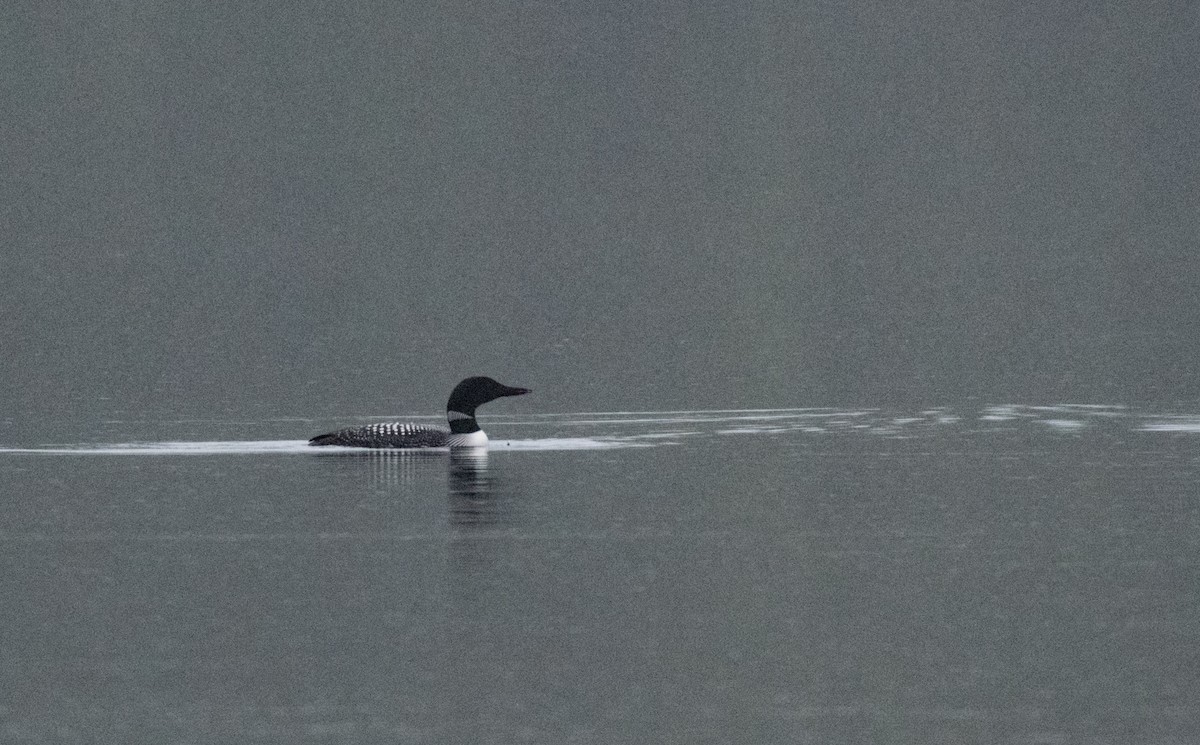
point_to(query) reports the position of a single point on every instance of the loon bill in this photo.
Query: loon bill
(460, 415)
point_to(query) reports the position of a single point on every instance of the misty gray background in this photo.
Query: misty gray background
(239, 222)
(316, 208)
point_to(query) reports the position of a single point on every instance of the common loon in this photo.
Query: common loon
(460, 414)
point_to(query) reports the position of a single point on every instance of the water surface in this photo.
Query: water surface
(1002, 574)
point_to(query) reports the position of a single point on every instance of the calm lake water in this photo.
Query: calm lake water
(1002, 574)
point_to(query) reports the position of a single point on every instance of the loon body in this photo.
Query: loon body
(460, 415)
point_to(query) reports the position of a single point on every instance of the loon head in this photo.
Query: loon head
(478, 391)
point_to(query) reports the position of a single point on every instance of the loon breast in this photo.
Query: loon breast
(476, 439)
(389, 435)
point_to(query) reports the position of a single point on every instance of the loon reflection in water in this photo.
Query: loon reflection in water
(469, 482)
(464, 431)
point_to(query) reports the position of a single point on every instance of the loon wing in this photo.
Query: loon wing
(390, 435)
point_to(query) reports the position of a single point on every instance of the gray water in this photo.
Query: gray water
(241, 212)
(225, 228)
(998, 574)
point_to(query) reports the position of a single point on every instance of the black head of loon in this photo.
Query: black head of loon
(478, 391)
(472, 392)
